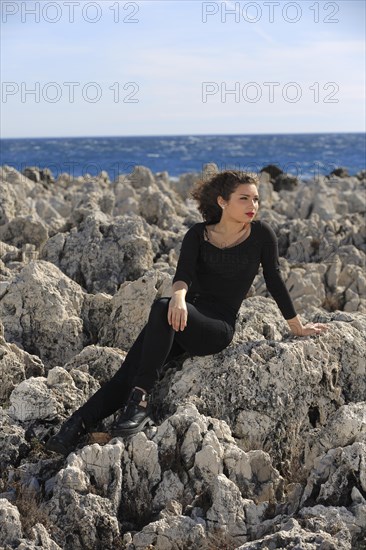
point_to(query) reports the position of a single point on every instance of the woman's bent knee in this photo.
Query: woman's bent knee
(161, 302)
(160, 306)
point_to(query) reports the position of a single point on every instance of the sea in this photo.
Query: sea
(303, 155)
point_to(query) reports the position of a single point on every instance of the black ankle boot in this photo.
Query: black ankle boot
(67, 438)
(134, 418)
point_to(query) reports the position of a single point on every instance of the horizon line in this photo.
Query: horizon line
(185, 135)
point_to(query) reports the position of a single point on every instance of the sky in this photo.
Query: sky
(115, 68)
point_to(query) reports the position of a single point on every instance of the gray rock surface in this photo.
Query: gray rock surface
(100, 254)
(16, 365)
(11, 526)
(260, 446)
(40, 311)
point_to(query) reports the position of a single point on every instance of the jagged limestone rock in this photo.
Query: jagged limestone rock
(41, 312)
(11, 526)
(102, 253)
(262, 445)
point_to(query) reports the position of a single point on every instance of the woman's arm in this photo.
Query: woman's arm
(299, 329)
(186, 266)
(272, 273)
(177, 311)
(182, 280)
(180, 287)
(278, 289)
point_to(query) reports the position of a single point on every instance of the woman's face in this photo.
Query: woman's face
(242, 202)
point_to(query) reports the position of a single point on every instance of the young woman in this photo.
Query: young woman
(218, 261)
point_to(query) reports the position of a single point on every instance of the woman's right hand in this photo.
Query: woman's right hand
(177, 312)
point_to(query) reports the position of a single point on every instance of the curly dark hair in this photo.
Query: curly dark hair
(223, 184)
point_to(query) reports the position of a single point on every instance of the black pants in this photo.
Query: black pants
(158, 343)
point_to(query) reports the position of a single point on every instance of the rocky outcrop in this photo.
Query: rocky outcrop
(100, 255)
(274, 392)
(16, 365)
(260, 446)
(41, 312)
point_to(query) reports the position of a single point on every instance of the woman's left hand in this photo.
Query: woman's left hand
(310, 329)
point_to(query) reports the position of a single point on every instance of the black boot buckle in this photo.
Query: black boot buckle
(137, 395)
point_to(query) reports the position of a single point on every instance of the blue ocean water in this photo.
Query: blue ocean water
(304, 155)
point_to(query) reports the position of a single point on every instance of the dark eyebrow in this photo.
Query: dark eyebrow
(244, 195)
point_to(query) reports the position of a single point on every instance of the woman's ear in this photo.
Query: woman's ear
(221, 202)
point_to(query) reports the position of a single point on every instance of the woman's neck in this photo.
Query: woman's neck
(225, 240)
(230, 228)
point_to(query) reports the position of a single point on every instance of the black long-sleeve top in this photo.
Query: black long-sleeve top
(223, 276)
